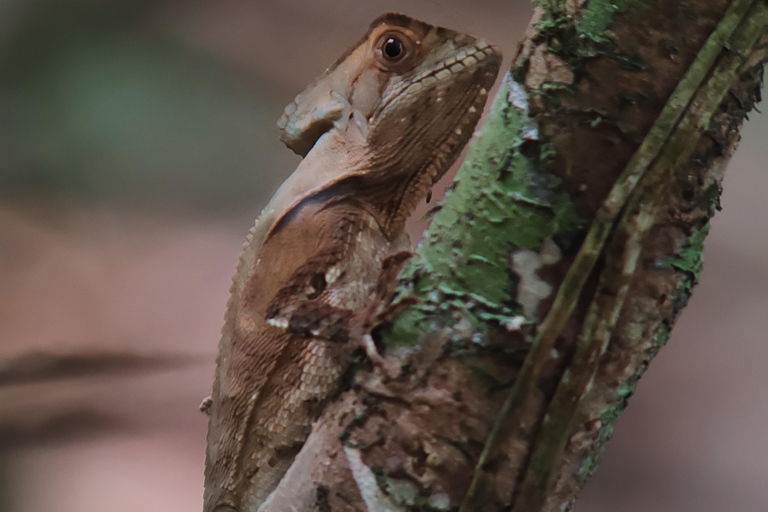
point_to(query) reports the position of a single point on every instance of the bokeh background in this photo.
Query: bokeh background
(137, 145)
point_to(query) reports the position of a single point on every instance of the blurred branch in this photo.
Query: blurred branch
(37, 367)
(59, 428)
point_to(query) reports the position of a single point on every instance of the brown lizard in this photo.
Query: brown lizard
(377, 130)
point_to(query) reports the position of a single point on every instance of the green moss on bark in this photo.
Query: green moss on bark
(597, 15)
(461, 268)
(691, 257)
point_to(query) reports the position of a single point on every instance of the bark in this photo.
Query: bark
(553, 271)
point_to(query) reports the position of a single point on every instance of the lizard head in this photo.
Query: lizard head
(431, 100)
(403, 80)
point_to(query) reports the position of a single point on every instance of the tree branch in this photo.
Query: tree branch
(554, 269)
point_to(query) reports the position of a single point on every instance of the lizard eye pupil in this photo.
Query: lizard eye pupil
(392, 48)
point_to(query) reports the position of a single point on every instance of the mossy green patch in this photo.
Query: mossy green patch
(501, 200)
(691, 257)
(597, 15)
(566, 38)
(592, 460)
(661, 337)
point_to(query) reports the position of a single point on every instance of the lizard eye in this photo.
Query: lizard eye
(392, 49)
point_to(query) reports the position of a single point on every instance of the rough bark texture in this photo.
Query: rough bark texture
(585, 91)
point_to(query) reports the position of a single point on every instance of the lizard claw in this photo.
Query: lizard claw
(205, 405)
(389, 366)
(371, 351)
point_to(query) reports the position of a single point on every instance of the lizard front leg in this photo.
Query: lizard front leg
(316, 301)
(304, 305)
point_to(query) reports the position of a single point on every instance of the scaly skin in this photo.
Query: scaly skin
(378, 129)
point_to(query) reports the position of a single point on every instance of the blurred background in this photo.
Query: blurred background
(138, 144)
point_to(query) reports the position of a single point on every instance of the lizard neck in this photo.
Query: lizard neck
(398, 177)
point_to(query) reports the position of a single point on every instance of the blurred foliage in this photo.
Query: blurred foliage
(97, 103)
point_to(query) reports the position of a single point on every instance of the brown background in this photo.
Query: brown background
(138, 143)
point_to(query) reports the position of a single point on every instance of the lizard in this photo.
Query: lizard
(377, 129)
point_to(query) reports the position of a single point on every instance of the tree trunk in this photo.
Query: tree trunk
(554, 269)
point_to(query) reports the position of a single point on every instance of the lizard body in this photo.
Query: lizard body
(377, 130)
